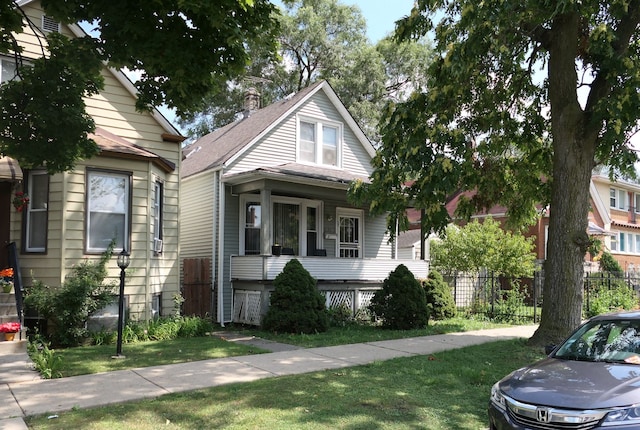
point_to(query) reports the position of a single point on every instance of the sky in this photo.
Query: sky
(381, 15)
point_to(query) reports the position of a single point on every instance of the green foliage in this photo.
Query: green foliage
(44, 121)
(168, 328)
(510, 304)
(610, 264)
(69, 306)
(484, 245)
(607, 294)
(45, 360)
(296, 304)
(323, 39)
(440, 300)
(401, 302)
(340, 316)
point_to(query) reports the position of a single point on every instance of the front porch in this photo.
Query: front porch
(348, 282)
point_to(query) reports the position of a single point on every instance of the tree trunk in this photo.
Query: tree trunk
(573, 160)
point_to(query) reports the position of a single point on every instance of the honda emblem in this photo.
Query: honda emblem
(543, 415)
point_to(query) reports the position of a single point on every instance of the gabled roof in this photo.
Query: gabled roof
(219, 147)
(117, 147)
(172, 134)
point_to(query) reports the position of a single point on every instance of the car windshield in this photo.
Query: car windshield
(604, 340)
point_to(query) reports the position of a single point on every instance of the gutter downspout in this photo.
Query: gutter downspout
(221, 203)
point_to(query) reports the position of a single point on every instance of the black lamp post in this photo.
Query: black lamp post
(123, 263)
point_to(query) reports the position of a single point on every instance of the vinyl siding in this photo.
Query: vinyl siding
(196, 217)
(114, 110)
(232, 245)
(279, 145)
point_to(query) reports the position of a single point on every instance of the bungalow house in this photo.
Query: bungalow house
(272, 186)
(128, 192)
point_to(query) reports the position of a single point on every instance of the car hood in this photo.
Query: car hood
(574, 384)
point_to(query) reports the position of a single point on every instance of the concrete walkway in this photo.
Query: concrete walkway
(26, 394)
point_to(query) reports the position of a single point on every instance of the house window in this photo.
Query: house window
(158, 196)
(319, 142)
(108, 210)
(350, 233)
(296, 225)
(636, 199)
(614, 243)
(621, 243)
(7, 69)
(37, 215)
(252, 223)
(617, 198)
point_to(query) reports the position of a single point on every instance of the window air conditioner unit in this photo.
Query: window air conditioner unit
(157, 245)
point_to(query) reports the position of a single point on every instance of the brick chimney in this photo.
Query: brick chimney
(251, 102)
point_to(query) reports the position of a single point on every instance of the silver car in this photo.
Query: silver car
(590, 381)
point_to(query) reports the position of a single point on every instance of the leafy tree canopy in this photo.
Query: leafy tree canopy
(478, 246)
(524, 100)
(322, 39)
(180, 49)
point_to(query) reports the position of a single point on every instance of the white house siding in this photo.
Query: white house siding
(279, 146)
(376, 238)
(196, 222)
(114, 110)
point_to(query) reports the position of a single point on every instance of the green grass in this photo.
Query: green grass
(445, 391)
(366, 333)
(98, 358)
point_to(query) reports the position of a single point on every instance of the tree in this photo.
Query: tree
(181, 51)
(525, 99)
(478, 246)
(322, 39)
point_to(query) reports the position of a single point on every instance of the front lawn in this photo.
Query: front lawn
(444, 391)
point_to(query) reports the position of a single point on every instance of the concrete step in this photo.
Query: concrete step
(13, 346)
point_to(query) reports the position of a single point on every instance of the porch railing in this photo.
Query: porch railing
(266, 267)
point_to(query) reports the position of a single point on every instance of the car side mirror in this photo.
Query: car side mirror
(549, 349)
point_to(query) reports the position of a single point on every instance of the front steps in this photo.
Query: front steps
(9, 313)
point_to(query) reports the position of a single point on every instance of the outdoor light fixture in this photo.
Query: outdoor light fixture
(123, 263)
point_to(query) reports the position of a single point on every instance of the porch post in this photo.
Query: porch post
(265, 223)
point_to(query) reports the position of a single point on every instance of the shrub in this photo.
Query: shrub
(401, 303)
(296, 304)
(440, 300)
(510, 306)
(69, 306)
(340, 315)
(610, 264)
(609, 295)
(44, 358)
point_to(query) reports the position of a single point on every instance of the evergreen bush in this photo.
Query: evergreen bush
(401, 303)
(440, 300)
(296, 304)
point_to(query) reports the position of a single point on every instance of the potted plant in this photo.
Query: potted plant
(6, 279)
(276, 249)
(20, 201)
(9, 329)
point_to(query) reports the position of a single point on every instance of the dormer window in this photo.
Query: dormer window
(7, 69)
(319, 142)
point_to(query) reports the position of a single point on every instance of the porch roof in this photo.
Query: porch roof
(10, 169)
(115, 146)
(298, 173)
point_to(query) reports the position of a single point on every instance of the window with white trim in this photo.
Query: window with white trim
(350, 233)
(319, 142)
(296, 225)
(158, 198)
(108, 210)
(617, 198)
(636, 204)
(251, 223)
(37, 214)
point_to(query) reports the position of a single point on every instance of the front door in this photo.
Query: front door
(5, 217)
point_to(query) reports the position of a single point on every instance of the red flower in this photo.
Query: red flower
(10, 327)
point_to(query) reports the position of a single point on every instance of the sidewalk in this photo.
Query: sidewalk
(28, 395)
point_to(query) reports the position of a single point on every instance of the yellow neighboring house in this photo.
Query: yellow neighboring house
(130, 192)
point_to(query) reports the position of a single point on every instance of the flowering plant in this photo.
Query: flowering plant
(7, 273)
(10, 327)
(20, 201)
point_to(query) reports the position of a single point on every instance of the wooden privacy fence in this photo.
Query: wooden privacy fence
(197, 287)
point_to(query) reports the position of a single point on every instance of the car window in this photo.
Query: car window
(617, 341)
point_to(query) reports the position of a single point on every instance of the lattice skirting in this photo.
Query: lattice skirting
(246, 307)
